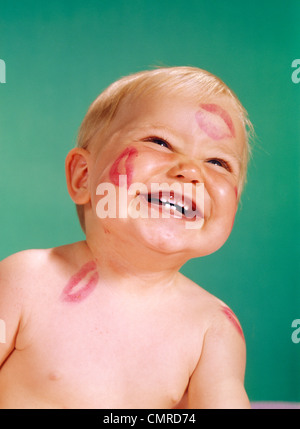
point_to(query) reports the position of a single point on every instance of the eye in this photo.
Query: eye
(221, 163)
(159, 141)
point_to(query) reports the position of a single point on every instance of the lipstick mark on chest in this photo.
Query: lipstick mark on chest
(81, 284)
(215, 121)
(233, 319)
(123, 165)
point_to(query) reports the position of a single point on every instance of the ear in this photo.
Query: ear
(76, 166)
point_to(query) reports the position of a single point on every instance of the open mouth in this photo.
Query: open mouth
(177, 205)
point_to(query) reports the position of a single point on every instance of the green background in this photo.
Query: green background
(59, 55)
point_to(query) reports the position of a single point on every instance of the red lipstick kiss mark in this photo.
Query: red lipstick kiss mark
(232, 224)
(236, 191)
(128, 154)
(69, 293)
(232, 317)
(208, 125)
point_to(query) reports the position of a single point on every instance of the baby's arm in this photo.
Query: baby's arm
(11, 298)
(218, 380)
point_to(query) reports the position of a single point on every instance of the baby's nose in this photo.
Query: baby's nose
(186, 172)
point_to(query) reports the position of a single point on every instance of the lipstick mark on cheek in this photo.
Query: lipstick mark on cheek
(232, 318)
(128, 156)
(232, 223)
(81, 284)
(236, 191)
(236, 196)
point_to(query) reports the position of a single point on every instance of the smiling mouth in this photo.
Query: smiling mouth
(177, 205)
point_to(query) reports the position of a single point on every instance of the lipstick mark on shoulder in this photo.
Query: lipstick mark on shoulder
(128, 155)
(81, 284)
(208, 124)
(233, 319)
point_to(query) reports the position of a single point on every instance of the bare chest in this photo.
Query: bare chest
(108, 356)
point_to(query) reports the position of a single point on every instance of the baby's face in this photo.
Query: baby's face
(155, 143)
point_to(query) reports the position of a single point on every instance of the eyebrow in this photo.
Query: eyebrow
(156, 128)
(164, 132)
(219, 111)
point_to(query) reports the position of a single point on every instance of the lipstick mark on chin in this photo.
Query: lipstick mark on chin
(81, 284)
(207, 122)
(128, 155)
(233, 319)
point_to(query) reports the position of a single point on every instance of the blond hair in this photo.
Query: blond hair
(190, 81)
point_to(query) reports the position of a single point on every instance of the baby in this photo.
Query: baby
(110, 322)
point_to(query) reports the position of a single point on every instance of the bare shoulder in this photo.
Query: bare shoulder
(15, 270)
(24, 258)
(196, 296)
(21, 272)
(218, 315)
(26, 286)
(25, 266)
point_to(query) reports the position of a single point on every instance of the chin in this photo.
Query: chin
(166, 239)
(188, 245)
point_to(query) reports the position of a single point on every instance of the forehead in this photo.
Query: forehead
(216, 117)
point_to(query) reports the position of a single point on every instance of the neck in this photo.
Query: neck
(132, 267)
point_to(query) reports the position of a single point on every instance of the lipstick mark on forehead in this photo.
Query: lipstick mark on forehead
(218, 110)
(208, 119)
(81, 284)
(125, 160)
(233, 319)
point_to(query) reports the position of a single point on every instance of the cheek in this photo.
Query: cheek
(223, 190)
(140, 165)
(223, 197)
